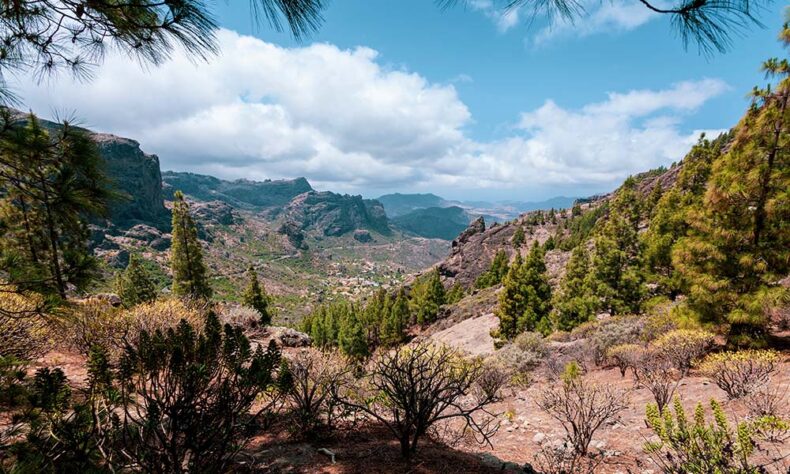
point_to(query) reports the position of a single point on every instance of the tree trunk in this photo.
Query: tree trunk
(53, 240)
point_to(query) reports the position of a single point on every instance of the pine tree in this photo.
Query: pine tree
(518, 237)
(352, 340)
(186, 254)
(52, 183)
(615, 273)
(671, 215)
(574, 304)
(576, 210)
(255, 297)
(427, 297)
(455, 293)
(496, 273)
(394, 324)
(134, 285)
(512, 300)
(538, 293)
(739, 246)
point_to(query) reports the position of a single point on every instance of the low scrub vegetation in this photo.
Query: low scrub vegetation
(740, 373)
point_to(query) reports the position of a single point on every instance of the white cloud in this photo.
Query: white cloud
(348, 123)
(597, 17)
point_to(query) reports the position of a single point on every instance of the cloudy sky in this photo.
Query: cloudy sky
(469, 103)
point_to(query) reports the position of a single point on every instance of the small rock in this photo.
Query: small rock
(539, 438)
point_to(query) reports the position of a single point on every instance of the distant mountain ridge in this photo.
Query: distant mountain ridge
(398, 204)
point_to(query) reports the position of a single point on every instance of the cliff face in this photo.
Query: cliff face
(240, 193)
(336, 214)
(136, 174)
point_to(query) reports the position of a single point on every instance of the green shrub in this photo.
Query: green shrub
(696, 447)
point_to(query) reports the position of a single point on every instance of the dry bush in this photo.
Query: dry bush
(23, 330)
(584, 330)
(164, 314)
(95, 322)
(578, 352)
(564, 459)
(242, 316)
(659, 375)
(317, 378)
(625, 356)
(768, 400)
(683, 346)
(740, 373)
(532, 342)
(613, 332)
(414, 389)
(581, 407)
(516, 362)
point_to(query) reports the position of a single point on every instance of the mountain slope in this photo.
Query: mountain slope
(434, 222)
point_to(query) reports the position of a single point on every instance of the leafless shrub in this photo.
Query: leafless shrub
(411, 389)
(625, 356)
(581, 407)
(564, 459)
(740, 373)
(316, 380)
(657, 374)
(769, 400)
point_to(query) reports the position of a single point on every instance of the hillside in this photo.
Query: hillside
(434, 222)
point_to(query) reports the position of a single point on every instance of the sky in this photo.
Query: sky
(470, 102)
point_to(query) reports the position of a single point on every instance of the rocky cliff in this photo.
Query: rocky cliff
(136, 174)
(239, 193)
(334, 214)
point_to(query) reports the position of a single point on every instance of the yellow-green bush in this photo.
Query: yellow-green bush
(164, 314)
(683, 346)
(23, 329)
(740, 373)
(94, 322)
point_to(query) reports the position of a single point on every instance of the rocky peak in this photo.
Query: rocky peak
(334, 214)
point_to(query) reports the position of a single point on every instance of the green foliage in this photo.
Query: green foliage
(255, 297)
(738, 244)
(186, 254)
(134, 285)
(193, 393)
(455, 294)
(615, 277)
(518, 237)
(696, 446)
(52, 184)
(670, 215)
(574, 304)
(392, 330)
(580, 227)
(496, 273)
(427, 296)
(351, 337)
(525, 300)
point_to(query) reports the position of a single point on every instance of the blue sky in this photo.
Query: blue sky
(403, 96)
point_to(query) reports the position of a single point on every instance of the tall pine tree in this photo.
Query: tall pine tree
(616, 277)
(186, 254)
(428, 296)
(538, 293)
(574, 303)
(739, 244)
(394, 324)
